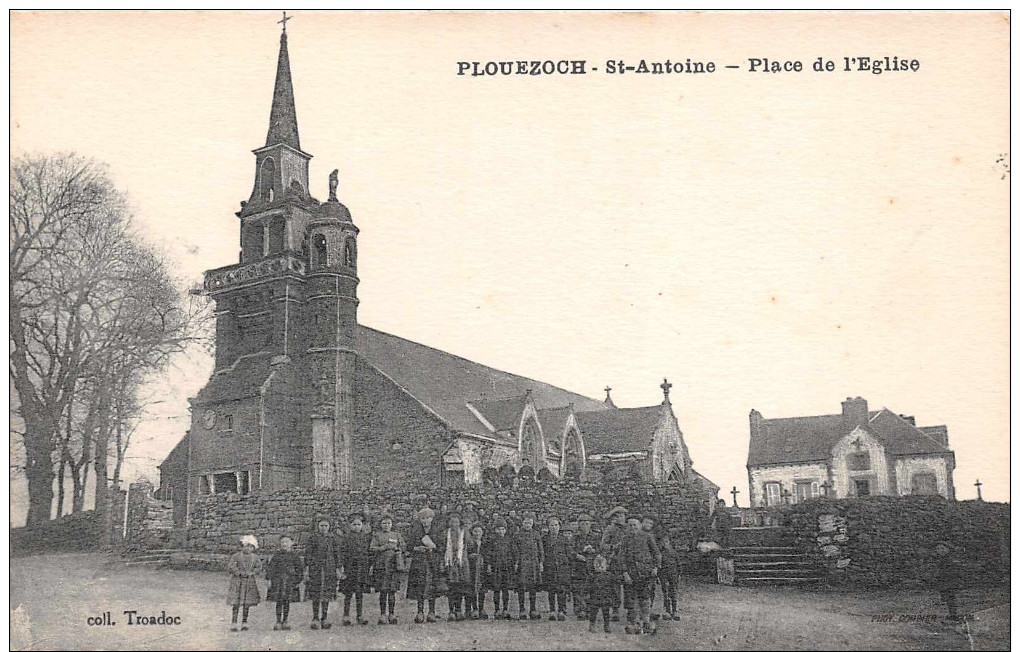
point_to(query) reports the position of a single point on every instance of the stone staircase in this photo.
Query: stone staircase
(758, 565)
(767, 555)
(156, 558)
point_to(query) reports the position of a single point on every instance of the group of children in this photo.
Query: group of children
(464, 562)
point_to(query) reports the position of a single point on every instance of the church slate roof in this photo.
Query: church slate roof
(243, 379)
(811, 439)
(283, 116)
(502, 414)
(445, 383)
(554, 421)
(623, 430)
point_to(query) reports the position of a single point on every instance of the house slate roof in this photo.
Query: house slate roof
(445, 383)
(811, 439)
(620, 430)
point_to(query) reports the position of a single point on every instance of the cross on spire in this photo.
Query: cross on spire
(284, 21)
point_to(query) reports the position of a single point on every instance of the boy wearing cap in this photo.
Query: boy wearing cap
(640, 558)
(530, 558)
(556, 574)
(612, 540)
(584, 540)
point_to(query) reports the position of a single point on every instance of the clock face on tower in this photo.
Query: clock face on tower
(209, 418)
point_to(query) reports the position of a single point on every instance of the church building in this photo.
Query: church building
(304, 395)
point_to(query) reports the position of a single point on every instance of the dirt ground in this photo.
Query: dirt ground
(53, 596)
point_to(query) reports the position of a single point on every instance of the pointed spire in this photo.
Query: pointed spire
(283, 117)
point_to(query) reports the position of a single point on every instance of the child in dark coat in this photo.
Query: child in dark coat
(641, 558)
(244, 590)
(530, 559)
(388, 547)
(479, 578)
(581, 563)
(284, 572)
(500, 562)
(556, 570)
(323, 563)
(424, 577)
(457, 568)
(669, 576)
(602, 593)
(355, 561)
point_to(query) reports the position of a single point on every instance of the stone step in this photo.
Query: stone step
(147, 562)
(777, 580)
(777, 572)
(764, 549)
(757, 564)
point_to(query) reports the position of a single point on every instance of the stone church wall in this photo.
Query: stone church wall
(398, 441)
(890, 541)
(218, 521)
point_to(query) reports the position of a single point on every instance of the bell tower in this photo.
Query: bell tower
(333, 310)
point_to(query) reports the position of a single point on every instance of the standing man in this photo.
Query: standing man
(612, 543)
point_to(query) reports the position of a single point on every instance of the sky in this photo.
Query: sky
(776, 241)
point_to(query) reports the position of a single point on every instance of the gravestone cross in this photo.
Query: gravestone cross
(734, 491)
(978, 485)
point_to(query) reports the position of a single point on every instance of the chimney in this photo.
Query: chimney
(855, 412)
(755, 420)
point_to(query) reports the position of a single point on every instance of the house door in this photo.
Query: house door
(862, 487)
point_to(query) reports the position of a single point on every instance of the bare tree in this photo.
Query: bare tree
(93, 311)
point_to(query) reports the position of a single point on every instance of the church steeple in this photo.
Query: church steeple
(281, 167)
(283, 117)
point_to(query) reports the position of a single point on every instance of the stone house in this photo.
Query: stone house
(852, 454)
(302, 395)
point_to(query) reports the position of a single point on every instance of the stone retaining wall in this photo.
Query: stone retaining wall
(890, 541)
(217, 521)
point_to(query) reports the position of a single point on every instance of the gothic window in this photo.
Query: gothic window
(319, 250)
(267, 177)
(530, 452)
(349, 253)
(573, 461)
(862, 488)
(277, 235)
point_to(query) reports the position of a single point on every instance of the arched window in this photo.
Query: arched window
(531, 452)
(267, 179)
(573, 458)
(319, 251)
(350, 253)
(254, 241)
(277, 235)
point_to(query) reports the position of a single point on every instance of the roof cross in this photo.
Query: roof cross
(284, 21)
(665, 388)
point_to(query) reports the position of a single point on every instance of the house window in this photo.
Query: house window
(772, 494)
(860, 461)
(228, 423)
(806, 491)
(862, 487)
(924, 484)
